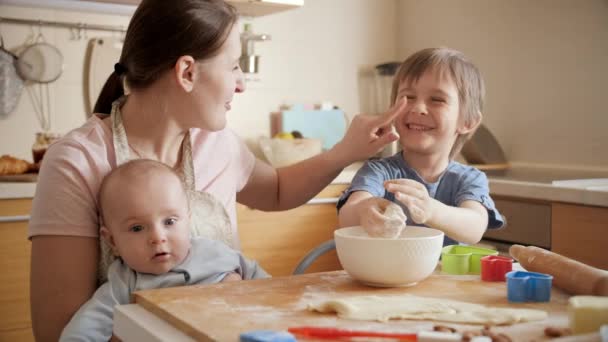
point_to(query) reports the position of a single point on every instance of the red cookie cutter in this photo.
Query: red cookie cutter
(494, 267)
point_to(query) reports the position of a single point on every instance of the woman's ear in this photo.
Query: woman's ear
(471, 126)
(185, 74)
(109, 239)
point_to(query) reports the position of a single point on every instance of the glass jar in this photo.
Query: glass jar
(42, 142)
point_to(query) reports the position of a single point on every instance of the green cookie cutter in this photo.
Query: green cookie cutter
(457, 259)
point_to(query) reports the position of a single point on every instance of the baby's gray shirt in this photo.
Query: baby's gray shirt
(208, 262)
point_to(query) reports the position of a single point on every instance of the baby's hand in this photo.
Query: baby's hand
(381, 218)
(232, 276)
(414, 196)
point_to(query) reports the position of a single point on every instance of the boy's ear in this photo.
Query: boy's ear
(109, 239)
(185, 74)
(471, 126)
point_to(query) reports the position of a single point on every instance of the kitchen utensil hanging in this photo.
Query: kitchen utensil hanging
(40, 63)
(11, 85)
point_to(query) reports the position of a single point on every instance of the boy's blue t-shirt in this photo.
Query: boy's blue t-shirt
(458, 183)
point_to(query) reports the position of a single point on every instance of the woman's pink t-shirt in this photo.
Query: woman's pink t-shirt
(66, 194)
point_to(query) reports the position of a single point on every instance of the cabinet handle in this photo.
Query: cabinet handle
(11, 219)
(331, 200)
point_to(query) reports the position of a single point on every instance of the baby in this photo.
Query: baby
(146, 222)
(444, 94)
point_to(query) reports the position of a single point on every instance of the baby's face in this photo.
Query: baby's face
(149, 222)
(430, 123)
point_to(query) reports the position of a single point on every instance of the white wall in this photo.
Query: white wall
(545, 63)
(315, 54)
(17, 132)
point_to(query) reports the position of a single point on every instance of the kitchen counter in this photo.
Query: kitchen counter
(536, 183)
(220, 312)
(524, 182)
(16, 190)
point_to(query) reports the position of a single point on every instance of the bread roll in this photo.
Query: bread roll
(13, 166)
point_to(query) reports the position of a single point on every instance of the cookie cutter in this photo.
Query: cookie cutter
(494, 267)
(457, 259)
(528, 286)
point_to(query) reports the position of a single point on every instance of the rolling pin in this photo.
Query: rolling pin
(568, 274)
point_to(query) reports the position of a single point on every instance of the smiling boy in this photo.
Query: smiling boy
(444, 93)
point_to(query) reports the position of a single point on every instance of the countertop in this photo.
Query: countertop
(220, 312)
(549, 184)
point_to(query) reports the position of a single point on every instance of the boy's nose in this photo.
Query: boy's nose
(419, 107)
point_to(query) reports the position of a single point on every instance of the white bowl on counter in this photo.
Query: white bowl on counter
(403, 261)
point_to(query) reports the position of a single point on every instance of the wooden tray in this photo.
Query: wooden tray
(26, 178)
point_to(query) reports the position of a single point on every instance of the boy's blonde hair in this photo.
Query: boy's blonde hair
(466, 76)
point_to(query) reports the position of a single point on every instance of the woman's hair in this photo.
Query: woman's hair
(159, 33)
(466, 76)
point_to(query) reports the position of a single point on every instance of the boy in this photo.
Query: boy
(444, 94)
(146, 222)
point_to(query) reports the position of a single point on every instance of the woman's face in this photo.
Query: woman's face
(218, 79)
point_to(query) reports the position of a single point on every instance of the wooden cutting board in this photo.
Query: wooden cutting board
(222, 311)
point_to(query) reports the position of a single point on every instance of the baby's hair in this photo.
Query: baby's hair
(466, 76)
(130, 171)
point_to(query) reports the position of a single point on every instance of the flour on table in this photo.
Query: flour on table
(376, 308)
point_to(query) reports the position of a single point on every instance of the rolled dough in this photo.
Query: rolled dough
(384, 308)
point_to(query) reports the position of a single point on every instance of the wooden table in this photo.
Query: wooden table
(223, 311)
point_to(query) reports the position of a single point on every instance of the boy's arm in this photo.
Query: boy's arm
(348, 215)
(466, 223)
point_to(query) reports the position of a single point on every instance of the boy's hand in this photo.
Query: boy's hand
(232, 276)
(381, 218)
(415, 197)
(368, 134)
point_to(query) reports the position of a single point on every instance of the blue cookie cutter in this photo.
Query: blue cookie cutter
(528, 286)
(267, 336)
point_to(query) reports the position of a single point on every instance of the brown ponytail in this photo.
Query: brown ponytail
(159, 33)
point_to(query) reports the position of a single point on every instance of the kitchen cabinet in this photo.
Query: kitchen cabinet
(279, 240)
(15, 322)
(580, 232)
(577, 231)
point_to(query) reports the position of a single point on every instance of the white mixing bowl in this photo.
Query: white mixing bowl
(403, 261)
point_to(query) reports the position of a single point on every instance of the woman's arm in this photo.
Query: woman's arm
(63, 277)
(294, 185)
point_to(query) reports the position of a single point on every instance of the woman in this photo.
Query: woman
(180, 65)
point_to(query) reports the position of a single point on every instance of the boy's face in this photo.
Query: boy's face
(147, 222)
(430, 124)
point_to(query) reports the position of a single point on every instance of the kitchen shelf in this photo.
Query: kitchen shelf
(247, 8)
(257, 8)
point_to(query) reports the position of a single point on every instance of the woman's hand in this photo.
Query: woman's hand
(381, 218)
(415, 197)
(368, 134)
